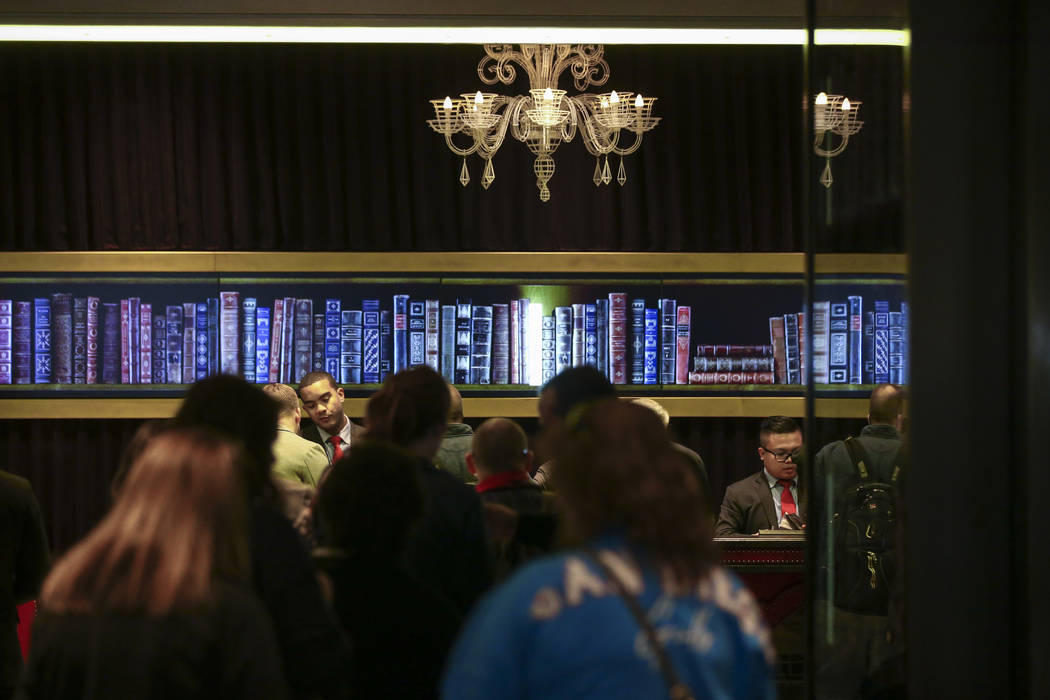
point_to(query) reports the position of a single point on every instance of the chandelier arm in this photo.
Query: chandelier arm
(829, 152)
(628, 150)
(500, 57)
(462, 152)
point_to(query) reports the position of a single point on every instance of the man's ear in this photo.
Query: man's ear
(527, 462)
(471, 467)
(339, 393)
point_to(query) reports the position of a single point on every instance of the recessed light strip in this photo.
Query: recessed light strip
(444, 35)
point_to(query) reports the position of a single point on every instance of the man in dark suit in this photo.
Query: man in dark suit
(762, 501)
(24, 560)
(323, 402)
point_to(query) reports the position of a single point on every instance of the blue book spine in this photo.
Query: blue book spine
(562, 339)
(160, 348)
(881, 343)
(400, 332)
(905, 344)
(838, 343)
(80, 340)
(463, 337)
(201, 359)
(590, 334)
(175, 342)
(213, 335)
(868, 355)
(601, 309)
(791, 348)
(386, 344)
(249, 308)
(652, 353)
(262, 345)
(111, 343)
(370, 343)
(6, 340)
(317, 350)
(856, 339)
(448, 343)
(481, 345)
(333, 321)
(638, 341)
(417, 333)
(668, 339)
(896, 333)
(500, 344)
(548, 348)
(41, 341)
(350, 348)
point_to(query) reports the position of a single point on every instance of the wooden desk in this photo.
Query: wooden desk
(773, 568)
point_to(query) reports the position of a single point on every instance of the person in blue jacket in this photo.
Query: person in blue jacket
(559, 629)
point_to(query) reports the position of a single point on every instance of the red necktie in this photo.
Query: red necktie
(337, 449)
(787, 501)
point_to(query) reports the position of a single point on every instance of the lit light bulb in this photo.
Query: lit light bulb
(614, 98)
(845, 104)
(478, 99)
(548, 95)
(448, 102)
(638, 101)
(605, 103)
(822, 98)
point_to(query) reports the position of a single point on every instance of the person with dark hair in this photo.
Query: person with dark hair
(451, 454)
(401, 629)
(641, 566)
(314, 649)
(447, 551)
(569, 390)
(765, 500)
(330, 427)
(154, 601)
(24, 559)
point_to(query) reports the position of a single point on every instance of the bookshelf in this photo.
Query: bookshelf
(682, 271)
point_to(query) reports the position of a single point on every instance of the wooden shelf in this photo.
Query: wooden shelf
(446, 262)
(473, 407)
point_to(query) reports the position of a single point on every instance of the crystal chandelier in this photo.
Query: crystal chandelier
(545, 117)
(833, 114)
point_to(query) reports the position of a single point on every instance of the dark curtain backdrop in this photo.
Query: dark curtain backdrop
(322, 147)
(181, 147)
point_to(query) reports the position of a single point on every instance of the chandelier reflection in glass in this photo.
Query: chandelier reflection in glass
(547, 116)
(833, 114)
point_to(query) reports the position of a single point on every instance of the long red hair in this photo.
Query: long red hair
(178, 521)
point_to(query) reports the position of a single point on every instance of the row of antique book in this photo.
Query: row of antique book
(64, 339)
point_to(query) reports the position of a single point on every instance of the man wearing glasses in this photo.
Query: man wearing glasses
(771, 498)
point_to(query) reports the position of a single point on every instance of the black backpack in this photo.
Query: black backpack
(865, 538)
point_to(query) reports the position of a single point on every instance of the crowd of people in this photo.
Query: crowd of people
(249, 553)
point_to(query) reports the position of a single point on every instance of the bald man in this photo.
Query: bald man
(451, 455)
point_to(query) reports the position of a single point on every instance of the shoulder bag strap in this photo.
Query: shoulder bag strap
(678, 689)
(859, 455)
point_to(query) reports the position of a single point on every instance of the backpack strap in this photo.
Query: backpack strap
(858, 455)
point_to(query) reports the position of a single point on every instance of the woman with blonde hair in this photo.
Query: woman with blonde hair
(153, 602)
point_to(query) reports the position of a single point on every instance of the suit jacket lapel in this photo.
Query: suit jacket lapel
(765, 497)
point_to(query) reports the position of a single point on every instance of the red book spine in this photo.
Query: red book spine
(731, 377)
(146, 344)
(276, 339)
(776, 339)
(682, 328)
(91, 371)
(125, 342)
(618, 337)
(515, 343)
(229, 333)
(733, 350)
